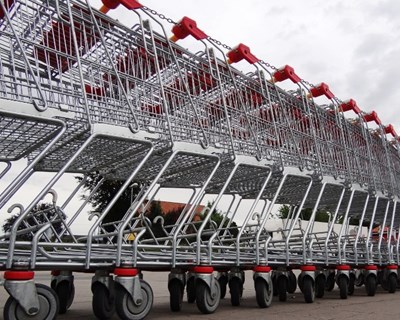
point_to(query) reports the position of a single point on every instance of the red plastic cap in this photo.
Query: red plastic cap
(343, 267)
(373, 116)
(126, 272)
(241, 52)
(187, 27)
(308, 268)
(390, 130)
(371, 267)
(322, 89)
(262, 269)
(19, 275)
(287, 72)
(203, 269)
(391, 267)
(129, 4)
(350, 105)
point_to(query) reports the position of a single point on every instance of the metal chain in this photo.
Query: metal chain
(217, 42)
(160, 15)
(169, 20)
(307, 83)
(268, 65)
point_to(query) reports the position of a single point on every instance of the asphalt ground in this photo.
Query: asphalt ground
(359, 306)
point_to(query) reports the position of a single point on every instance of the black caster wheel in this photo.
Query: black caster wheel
(175, 288)
(206, 301)
(48, 306)
(125, 306)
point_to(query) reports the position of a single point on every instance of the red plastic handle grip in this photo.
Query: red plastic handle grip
(321, 89)
(241, 52)
(373, 116)
(112, 4)
(284, 73)
(187, 27)
(350, 105)
(390, 130)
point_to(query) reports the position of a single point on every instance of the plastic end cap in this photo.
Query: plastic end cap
(187, 27)
(241, 52)
(284, 73)
(321, 89)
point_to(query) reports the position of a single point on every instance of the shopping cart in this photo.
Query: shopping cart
(81, 93)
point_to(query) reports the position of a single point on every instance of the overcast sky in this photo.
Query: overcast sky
(354, 46)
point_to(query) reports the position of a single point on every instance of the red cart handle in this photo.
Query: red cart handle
(373, 116)
(350, 105)
(390, 130)
(187, 27)
(319, 90)
(241, 52)
(112, 4)
(284, 73)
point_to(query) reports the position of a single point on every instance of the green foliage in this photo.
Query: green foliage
(172, 216)
(105, 193)
(283, 211)
(355, 221)
(156, 228)
(321, 216)
(109, 188)
(217, 216)
(305, 214)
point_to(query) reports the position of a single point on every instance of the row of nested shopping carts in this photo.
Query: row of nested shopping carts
(80, 93)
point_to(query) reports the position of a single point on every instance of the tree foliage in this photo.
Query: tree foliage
(40, 214)
(321, 215)
(109, 188)
(217, 216)
(105, 193)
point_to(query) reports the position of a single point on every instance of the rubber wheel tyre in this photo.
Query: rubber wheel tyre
(274, 286)
(48, 306)
(65, 291)
(308, 289)
(175, 288)
(370, 285)
(191, 290)
(206, 303)
(264, 293)
(359, 281)
(330, 282)
(236, 289)
(282, 288)
(352, 281)
(320, 286)
(343, 283)
(300, 281)
(53, 284)
(103, 303)
(223, 281)
(127, 309)
(380, 279)
(392, 283)
(292, 283)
